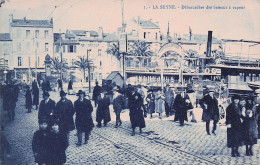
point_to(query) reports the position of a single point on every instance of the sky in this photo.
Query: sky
(91, 14)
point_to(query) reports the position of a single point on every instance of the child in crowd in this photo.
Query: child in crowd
(41, 144)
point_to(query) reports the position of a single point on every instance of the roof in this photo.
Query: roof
(111, 37)
(79, 32)
(147, 24)
(5, 37)
(31, 23)
(112, 75)
(93, 33)
(69, 35)
(230, 40)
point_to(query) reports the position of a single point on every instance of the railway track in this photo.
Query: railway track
(159, 143)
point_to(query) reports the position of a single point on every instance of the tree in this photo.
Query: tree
(56, 64)
(140, 49)
(114, 50)
(83, 64)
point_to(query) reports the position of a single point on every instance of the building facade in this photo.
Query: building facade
(91, 45)
(32, 40)
(6, 58)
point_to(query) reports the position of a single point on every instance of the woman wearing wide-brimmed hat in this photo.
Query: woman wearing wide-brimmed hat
(84, 121)
(103, 108)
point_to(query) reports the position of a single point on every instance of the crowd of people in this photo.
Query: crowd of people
(56, 120)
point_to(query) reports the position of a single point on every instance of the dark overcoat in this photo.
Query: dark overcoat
(182, 107)
(83, 109)
(46, 111)
(96, 92)
(150, 103)
(65, 111)
(35, 92)
(136, 112)
(210, 111)
(9, 98)
(235, 133)
(70, 85)
(103, 112)
(41, 146)
(28, 99)
(58, 146)
(118, 103)
(250, 127)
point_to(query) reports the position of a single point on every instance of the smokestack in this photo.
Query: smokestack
(209, 43)
(10, 18)
(100, 33)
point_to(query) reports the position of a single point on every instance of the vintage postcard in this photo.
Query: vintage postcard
(130, 81)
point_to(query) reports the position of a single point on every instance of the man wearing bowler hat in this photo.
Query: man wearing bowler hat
(118, 103)
(46, 109)
(257, 106)
(64, 111)
(182, 104)
(103, 108)
(209, 104)
(84, 121)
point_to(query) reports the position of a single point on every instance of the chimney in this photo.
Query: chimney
(100, 33)
(10, 18)
(24, 19)
(51, 20)
(209, 43)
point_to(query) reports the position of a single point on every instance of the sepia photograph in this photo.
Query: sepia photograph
(130, 82)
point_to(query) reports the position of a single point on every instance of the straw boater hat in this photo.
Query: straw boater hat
(257, 91)
(103, 91)
(81, 92)
(115, 89)
(211, 90)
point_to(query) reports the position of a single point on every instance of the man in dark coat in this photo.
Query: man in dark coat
(96, 92)
(136, 112)
(103, 109)
(58, 146)
(41, 144)
(118, 104)
(35, 92)
(182, 104)
(64, 111)
(209, 104)
(169, 95)
(28, 99)
(10, 100)
(46, 109)
(84, 121)
(70, 89)
(234, 125)
(59, 81)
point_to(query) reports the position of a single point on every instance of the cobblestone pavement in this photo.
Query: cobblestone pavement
(162, 142)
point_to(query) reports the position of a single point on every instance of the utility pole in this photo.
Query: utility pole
(61, 62)
(89, 87)
(36, 59)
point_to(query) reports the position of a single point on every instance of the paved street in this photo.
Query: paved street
(162, 142)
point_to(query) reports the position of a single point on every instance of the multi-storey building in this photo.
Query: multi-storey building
(32, 40)
(88, 44)
(6, 58)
